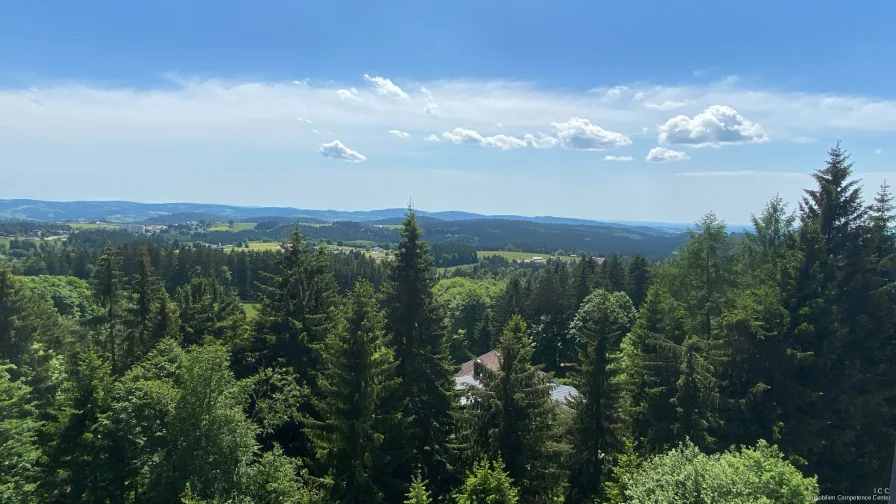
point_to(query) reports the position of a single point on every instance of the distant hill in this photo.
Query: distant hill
(127, 211)
(422, 219)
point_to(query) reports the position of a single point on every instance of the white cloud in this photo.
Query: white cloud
(542, 141)
(399, 134)
(348, 94)
(465, 136)
(263, 114)
(385, 87)
(433, 138)
(717, 125)
(315, 131)
(663, 155)
(638, 96)
(499, 125)
(336, 150)
(614, 93)
(305, 120)
(669, 105)
(878, 151)
(617, 158)
(432, 108)
(803, 139)
(580, 134)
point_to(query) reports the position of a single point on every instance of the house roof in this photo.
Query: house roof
(563, 394)
(490, 360)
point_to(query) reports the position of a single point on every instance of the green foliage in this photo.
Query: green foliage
(418, 493)
(468, 312)
(360, 439)
(19, 450)
(487, 483)
(513, 418)
(421, 350)
(599, 430)
(685, 475)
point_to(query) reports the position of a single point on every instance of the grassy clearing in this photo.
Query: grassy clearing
(253, 245)
(519, 256)
(251, 310)
(4, 242)
(88, 225)
(237, 226)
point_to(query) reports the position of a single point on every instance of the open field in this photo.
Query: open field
(519, 256)
(237, 226)
(89, 225)
(4, 242)
(251, 310)
(253, 245)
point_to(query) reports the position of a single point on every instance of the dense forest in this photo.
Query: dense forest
(743, 368)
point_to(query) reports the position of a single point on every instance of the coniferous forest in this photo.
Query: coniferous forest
(752, 367)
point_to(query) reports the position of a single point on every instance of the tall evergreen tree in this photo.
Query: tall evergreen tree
(599, 420)
(421, 349)
(360, 439)
(638, 277)
(513, 418)
(145, 290)
(107, 287)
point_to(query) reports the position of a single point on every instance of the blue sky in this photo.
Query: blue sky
(621, 111)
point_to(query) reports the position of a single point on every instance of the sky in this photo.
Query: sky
(625, 111)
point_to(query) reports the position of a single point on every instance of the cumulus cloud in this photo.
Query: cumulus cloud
(336, 150)
(717, 125)
(617, 158)
(499, 125)
(399, 134)
(669, 105)
(580, 134)
(315, 131)
(263, 114)
(348, 94)
(386, 87)
(433, 138)
(471, 137)
(432, 108)
(663, 155)
(542, 141)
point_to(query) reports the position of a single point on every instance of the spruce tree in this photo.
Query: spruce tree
(418, 493)
(419, 337)
(638, 277)
(107, 287)
(512, 417)
(487, 483)
(360, 438)
(599, 424)
(145, 291)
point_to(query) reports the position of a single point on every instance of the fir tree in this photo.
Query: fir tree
(487, 483)
(599, 429)
(512, 417)
(638, 280)
(107, 286)
(360, 439)
(421, 349)
(418, 493)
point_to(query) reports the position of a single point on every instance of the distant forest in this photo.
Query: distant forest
(741, 368)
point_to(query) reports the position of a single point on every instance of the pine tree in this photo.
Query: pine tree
(487, 483)
(421, 349)
(614, 275)
(511, 301)
(107, 287)
(360, 439)
(638, 280)
(418, 493)
(512, 417)
(145, 290)
(166, 323)
(599, 427)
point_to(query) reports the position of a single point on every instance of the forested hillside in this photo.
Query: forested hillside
(750, 368)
